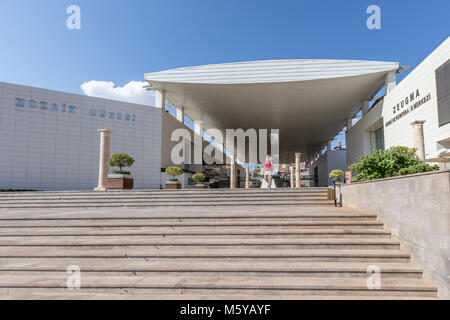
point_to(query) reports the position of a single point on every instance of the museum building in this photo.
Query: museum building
(49, 140)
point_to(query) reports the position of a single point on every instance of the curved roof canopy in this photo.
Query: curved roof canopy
(307, 100)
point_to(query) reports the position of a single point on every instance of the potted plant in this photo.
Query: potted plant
(173, 183)
(120, 179)
(336, 176)
(199, 178)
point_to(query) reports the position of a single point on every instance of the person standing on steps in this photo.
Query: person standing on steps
(268, 169)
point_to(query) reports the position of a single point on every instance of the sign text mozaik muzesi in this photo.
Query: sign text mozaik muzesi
(407, 105)
(102, 113)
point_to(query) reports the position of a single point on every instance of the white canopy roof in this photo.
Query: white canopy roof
(307, 100)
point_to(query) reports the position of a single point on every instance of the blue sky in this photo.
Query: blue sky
(121, 40)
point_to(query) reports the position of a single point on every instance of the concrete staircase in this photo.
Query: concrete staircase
(212, 244)
(152, 198)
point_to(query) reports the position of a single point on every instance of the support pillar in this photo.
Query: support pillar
(298, 157)
(349, 124)
(103, 168)
(180, 114)
(391, 81)
(160, 99)
(329, 146)
(198, 128)
(419, 140)
(233, 171)
(247, 178)
(365, 107)
(292, 174)
(198, 143)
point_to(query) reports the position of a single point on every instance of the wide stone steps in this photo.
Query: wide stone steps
(208, 224)
(141, 241)
(171, 193)
(105, 266)
(206, 235)
(49, 294)
(190, 233)
(188, 244)
(47, 218)
(220, 284)
(194, 192)
(208, 254)
(163, 203)
(164, 198)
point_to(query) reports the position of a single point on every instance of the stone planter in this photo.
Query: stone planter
(200, 186)
(331, 195)
(119, 181)
(173, 185)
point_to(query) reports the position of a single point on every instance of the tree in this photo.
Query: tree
(121, 160)
(199, 177)
(337, 174)
(174, 172)
(388, 163)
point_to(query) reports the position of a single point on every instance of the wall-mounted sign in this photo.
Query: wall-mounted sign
(407, 105)
(112, 115)
(43, 105)
(348, 177)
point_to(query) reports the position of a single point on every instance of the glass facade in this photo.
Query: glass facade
(443, 92)
(379, 139)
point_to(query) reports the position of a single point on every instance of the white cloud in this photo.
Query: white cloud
(132, 92)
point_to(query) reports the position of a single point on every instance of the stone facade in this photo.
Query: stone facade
(417, 210)
(415, 98)
(361, 137)
(420, 83)
(49, 139)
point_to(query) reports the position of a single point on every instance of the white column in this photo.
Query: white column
(298, 157)
(349, 124)
(329, 146)
(233, 171)
(419, 140)
(198, 127)
(247, 178)
(180, 114)
(160, 99)
(292, 173)
(103, 167)
(391, 81)
(365, 107)
(198, 143)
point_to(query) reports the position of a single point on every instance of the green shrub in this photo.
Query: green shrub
(121, 160)
(121, 172)
(418, 168)
(389, 163)
(199, 177)
(174, 172)
(337, 174)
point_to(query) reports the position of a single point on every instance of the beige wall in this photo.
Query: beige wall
(422, 78)
(361, 137)
(417, 210)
